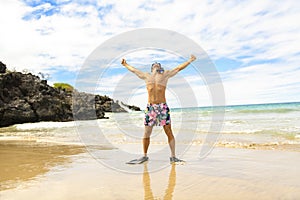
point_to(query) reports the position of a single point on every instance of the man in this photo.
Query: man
(157, 112)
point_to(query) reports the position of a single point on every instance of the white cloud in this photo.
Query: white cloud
(263, 35)
(262, 83)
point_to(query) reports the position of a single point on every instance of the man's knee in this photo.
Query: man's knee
(148, 131)
(168, 129)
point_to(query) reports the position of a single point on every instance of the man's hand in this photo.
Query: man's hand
(192, 58)
(137, 72)
(123, 62)
(180, 67)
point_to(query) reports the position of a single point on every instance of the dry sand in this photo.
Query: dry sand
(46, 171)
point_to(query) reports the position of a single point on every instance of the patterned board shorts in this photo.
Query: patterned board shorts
(157, 114)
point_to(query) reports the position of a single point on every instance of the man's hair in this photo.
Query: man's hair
(156, 63)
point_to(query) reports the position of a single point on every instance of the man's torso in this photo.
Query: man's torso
(156, 87)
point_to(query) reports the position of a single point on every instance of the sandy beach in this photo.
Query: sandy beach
(255, 156)
(32, 170)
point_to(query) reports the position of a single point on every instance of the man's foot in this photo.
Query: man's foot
(138, 161)
(176, 160)
(143, 159)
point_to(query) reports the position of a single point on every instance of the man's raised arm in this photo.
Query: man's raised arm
(180, 67)
(140, 74)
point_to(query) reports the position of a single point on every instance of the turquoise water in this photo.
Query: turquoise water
(275, 118)
(251, 108)
(261, 123)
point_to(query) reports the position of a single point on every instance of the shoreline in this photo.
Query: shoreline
(226, 173)
(225, 141)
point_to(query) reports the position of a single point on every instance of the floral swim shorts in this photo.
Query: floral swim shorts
(157, 114)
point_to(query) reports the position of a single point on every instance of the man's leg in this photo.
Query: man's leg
(171, 139)
(146, 139)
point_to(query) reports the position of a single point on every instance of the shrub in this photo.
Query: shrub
(63, 86)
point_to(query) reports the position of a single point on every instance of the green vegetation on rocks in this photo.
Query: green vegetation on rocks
(63, 86)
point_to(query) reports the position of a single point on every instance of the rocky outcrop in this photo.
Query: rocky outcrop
(2, 68)
(89, 106)
(27, 98)
(131, 107)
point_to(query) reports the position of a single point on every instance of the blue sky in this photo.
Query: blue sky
(253, 44)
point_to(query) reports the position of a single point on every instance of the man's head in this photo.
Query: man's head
(157, 67)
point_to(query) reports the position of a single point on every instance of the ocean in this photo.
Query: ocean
(266, 126)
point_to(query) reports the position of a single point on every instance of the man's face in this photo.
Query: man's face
(156, 67)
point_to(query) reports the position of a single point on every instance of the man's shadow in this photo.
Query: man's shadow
(147, 184)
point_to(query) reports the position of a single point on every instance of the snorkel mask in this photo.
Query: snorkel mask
(160, 70)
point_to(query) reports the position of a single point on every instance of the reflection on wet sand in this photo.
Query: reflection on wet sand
(148, 194)
(24, 160)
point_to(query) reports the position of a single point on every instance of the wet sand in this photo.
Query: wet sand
(25, 160)
(42, 171)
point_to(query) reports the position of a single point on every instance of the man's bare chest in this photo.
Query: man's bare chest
(157, 80)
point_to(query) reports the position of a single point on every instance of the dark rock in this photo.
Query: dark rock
(131, 107)
(2, 68)
(84, 106)
(19, 112)
(26, 98)
(108, 104)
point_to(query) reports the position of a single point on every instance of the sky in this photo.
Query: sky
(253, 45)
